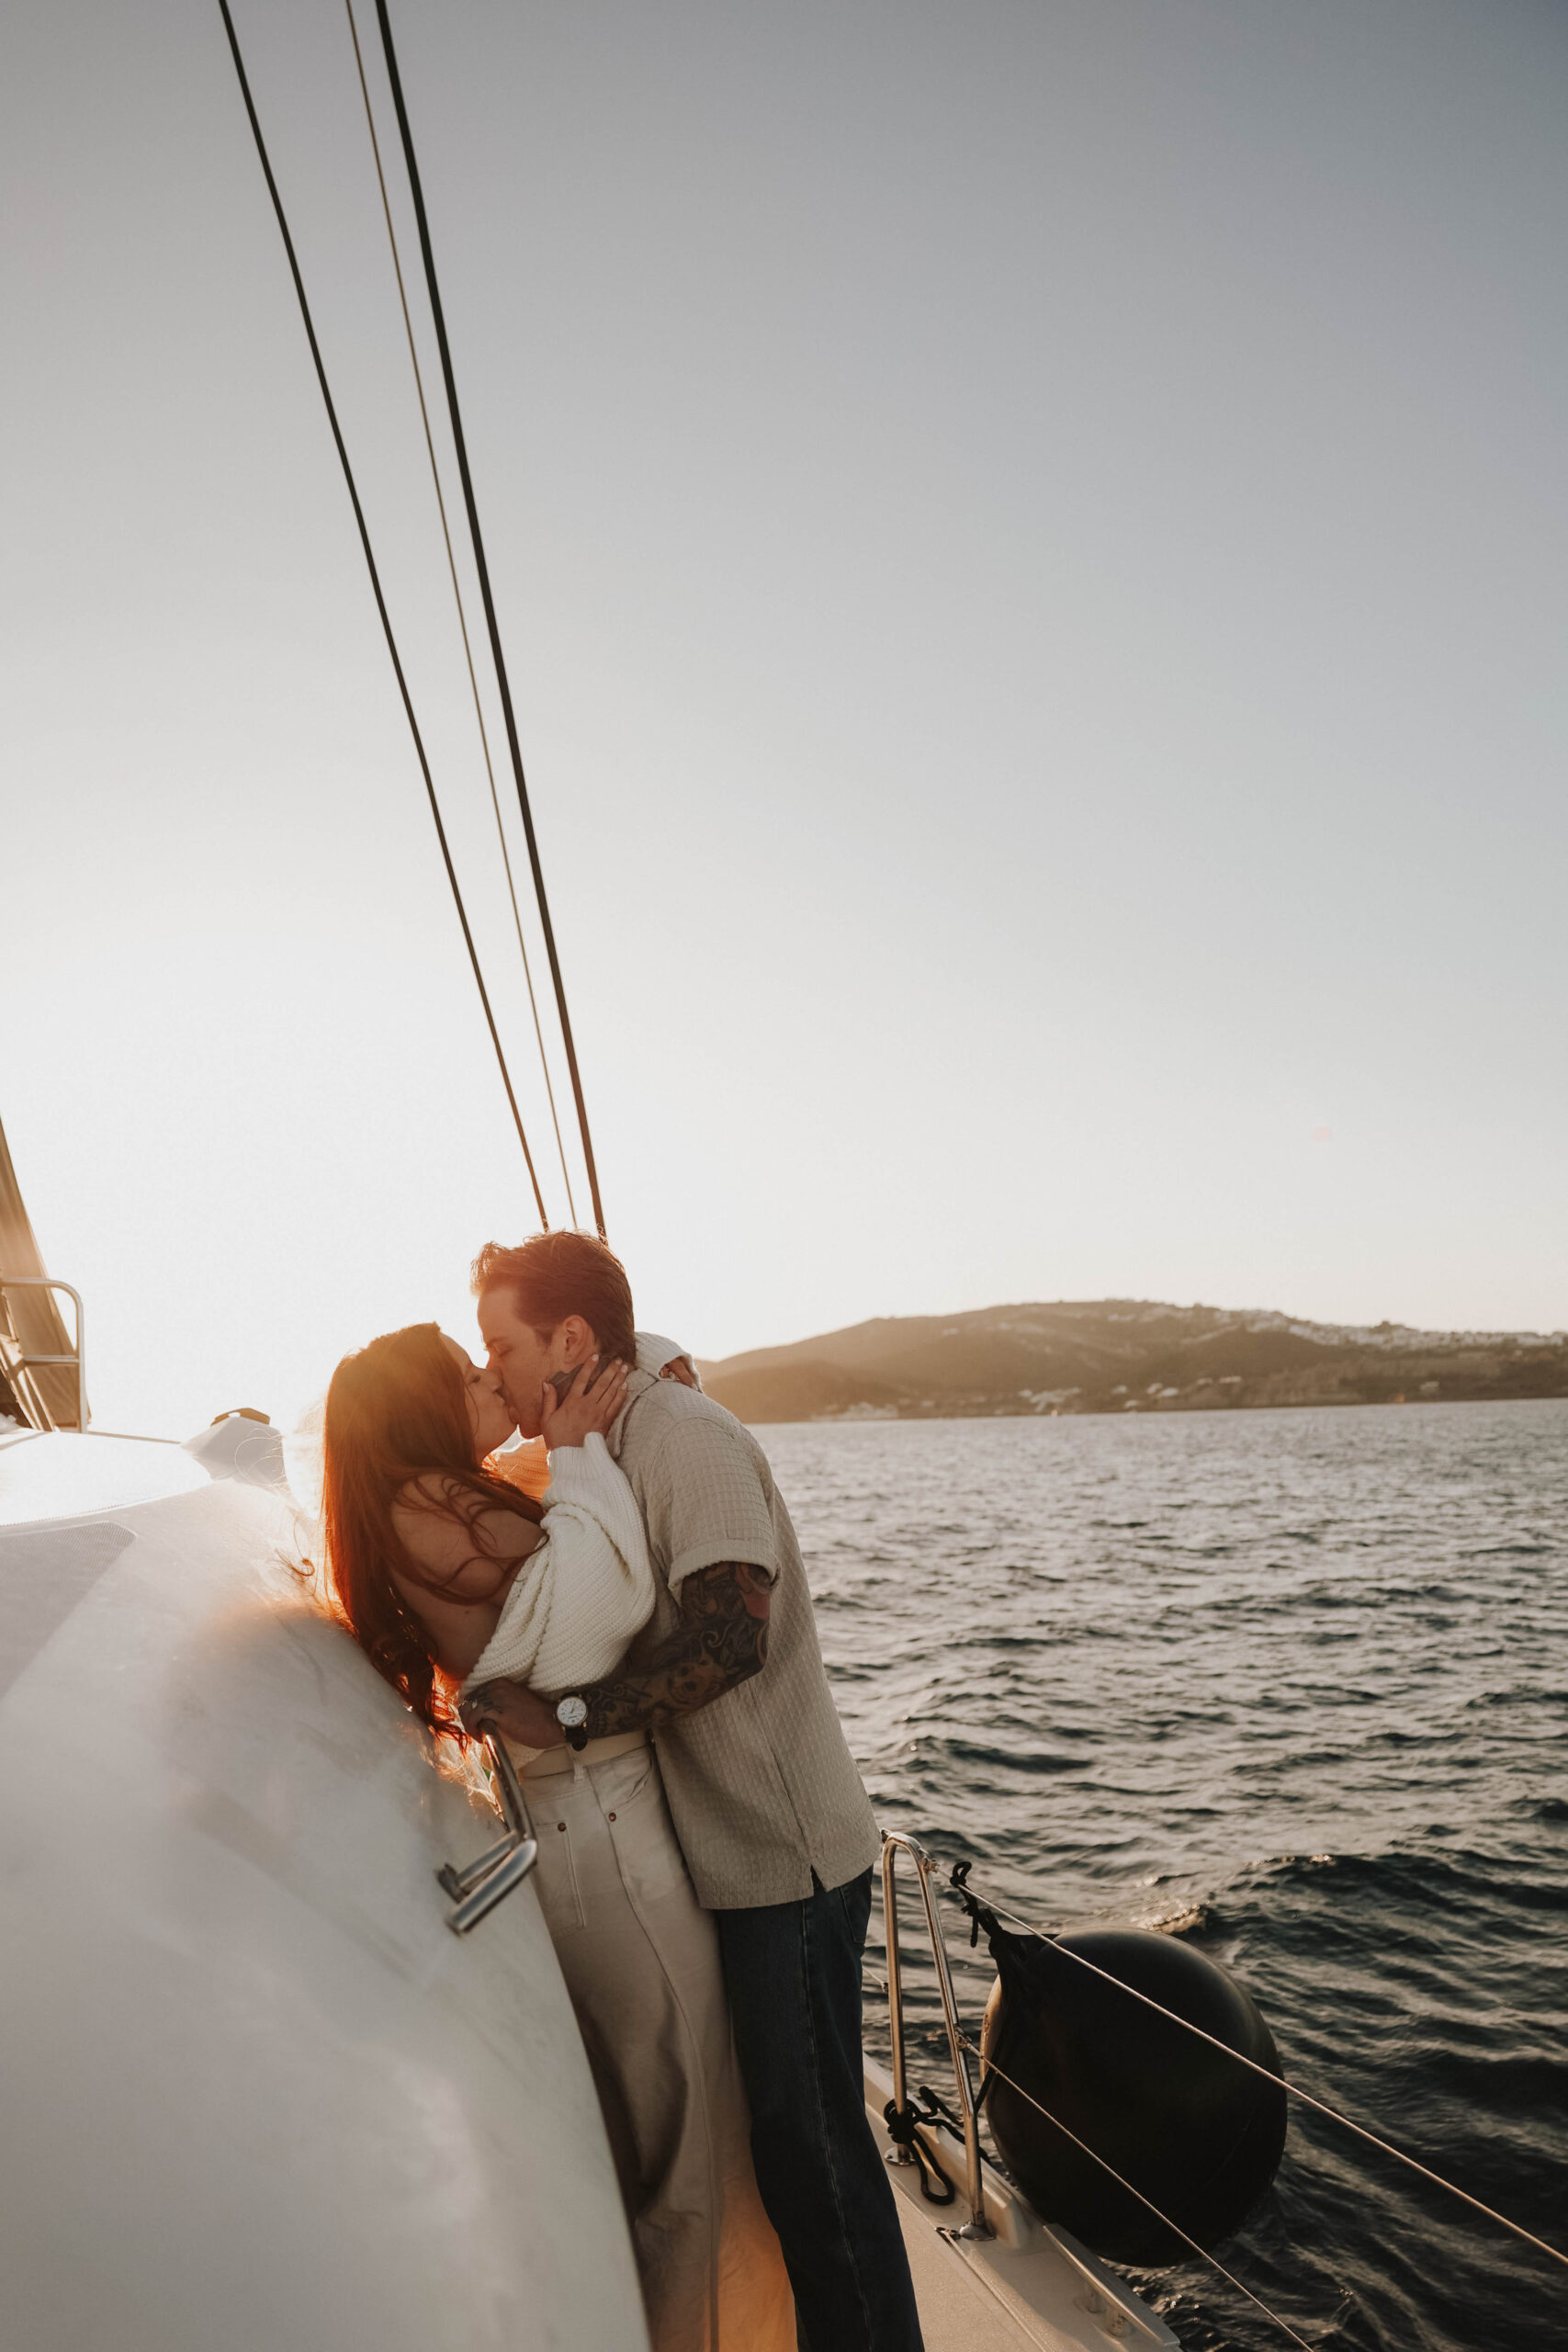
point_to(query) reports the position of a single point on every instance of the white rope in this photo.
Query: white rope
(1294, 2090)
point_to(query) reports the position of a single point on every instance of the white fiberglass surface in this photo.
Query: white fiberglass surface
(256, 2093)
(66, 1475)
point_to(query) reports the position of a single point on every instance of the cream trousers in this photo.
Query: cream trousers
(640, 1960)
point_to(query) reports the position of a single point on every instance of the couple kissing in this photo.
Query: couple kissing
(643, 1638)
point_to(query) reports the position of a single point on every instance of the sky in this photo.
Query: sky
(1031, 546)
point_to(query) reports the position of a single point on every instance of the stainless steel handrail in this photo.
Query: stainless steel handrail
(976, 2226)
(460, 1883)
(477, 1890)
(61, 1363)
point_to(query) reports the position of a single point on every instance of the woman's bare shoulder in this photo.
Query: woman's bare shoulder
(457, 1539)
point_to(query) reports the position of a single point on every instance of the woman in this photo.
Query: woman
(424, 1544)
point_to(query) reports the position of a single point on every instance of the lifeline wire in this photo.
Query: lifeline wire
(376, 587)
(457, 596)
(1294, 2090)
(991, 2067)
(481, 567)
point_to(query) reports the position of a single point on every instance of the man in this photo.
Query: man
(776, 1827)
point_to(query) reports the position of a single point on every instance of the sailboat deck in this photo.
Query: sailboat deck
(1025, 2286)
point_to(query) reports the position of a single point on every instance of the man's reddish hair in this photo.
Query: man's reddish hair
(552, 1275)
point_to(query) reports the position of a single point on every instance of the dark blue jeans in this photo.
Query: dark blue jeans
(792, 1970)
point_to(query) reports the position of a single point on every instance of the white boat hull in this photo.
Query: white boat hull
(255, 2094)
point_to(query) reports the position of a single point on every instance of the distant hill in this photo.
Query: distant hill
(1123, 1355)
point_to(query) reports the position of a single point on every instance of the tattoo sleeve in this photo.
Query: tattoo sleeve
(721, 1641)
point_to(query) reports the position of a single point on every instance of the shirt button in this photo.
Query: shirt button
(560, 1825)
(612, 1816)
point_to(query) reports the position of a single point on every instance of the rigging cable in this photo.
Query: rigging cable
(482, 569)
(1294, 2090)
(1202, 2252)
(457, 596)
(376, 585)
(991, 2068)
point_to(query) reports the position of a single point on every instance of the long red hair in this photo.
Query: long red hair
(396, 1411)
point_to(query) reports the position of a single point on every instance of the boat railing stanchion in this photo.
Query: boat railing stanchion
(977, 2226)
(898, 2154)
(77, 1363)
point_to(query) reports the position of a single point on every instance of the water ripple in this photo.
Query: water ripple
(1295, 1685)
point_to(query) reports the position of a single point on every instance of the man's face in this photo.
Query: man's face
(523, 1359)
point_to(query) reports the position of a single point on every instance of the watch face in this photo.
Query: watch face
(572, 1712)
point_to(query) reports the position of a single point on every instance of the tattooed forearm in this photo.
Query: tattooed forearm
(721, 1641)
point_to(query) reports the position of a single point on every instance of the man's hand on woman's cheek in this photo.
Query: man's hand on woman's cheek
(515, 1710)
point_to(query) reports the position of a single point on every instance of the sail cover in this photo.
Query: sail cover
(30, 1322)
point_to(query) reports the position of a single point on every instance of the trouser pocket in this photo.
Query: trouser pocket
(554, 1874)
(648, 1852)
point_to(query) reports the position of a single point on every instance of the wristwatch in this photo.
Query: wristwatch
(573, 1716)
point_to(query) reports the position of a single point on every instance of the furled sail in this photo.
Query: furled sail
(42, 1396)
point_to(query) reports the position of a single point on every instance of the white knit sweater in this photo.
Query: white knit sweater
(578, 1598)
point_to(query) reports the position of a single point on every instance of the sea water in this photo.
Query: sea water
(1292, 1685)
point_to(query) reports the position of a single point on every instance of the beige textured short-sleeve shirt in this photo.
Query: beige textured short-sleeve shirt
(763, 1788)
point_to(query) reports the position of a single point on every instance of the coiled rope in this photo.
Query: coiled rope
(375, 588)
(457, 598)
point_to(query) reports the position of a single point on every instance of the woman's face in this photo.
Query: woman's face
(489, 1416)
